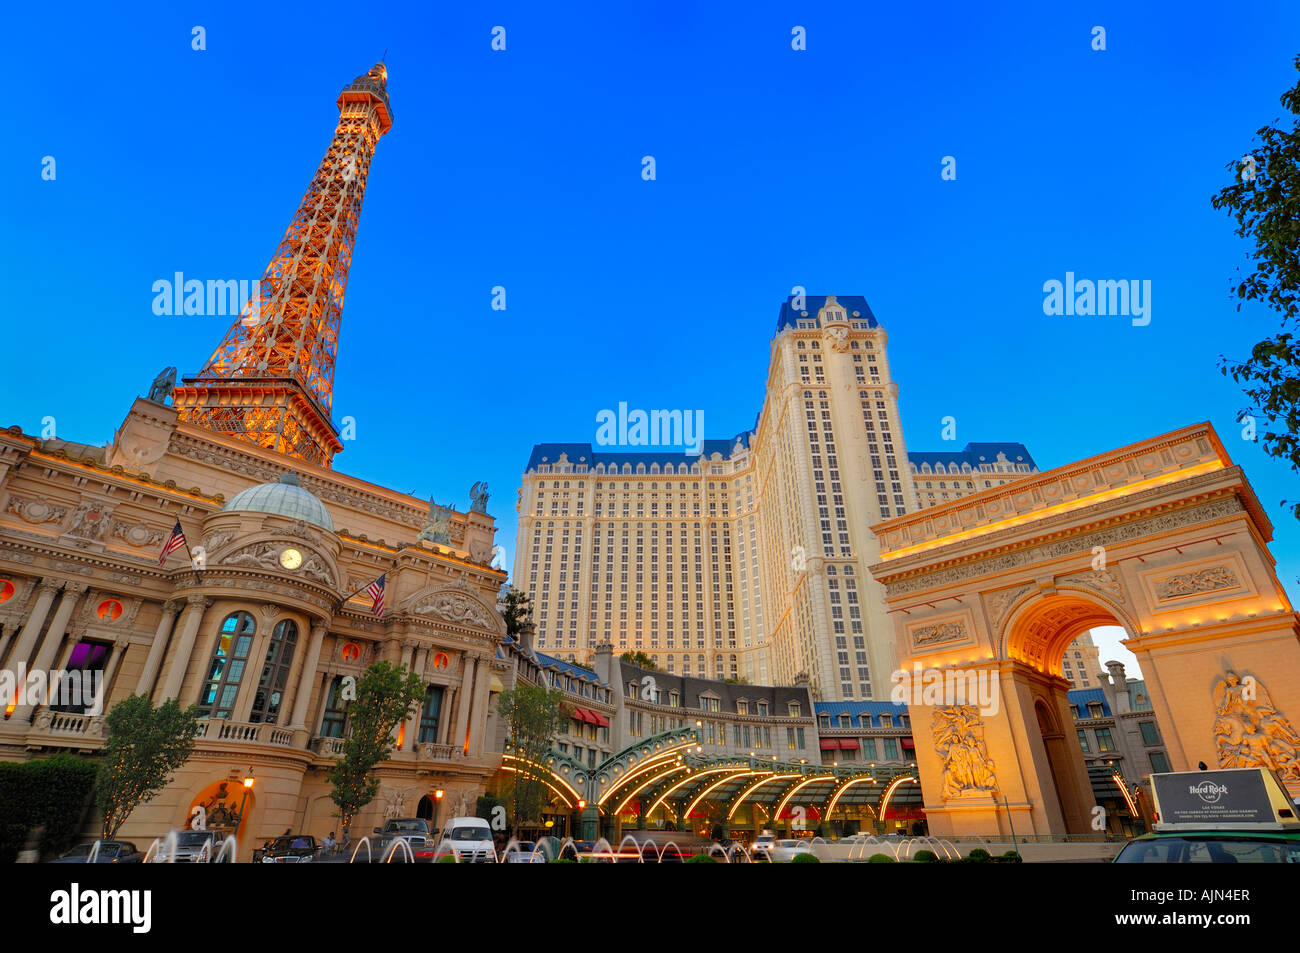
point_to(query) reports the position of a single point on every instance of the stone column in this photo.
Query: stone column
(195, 606)
(306, 678)
(444, 714)
(413, 723)
(465, 696)
(256, 662)
(72, 593)
(478, 717)
(45, 594)
(154, 660)
(323, 697)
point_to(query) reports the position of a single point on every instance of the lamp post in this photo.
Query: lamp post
(437, 806)
(248, 786)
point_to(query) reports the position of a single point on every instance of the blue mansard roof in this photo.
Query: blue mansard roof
(814, 303)
(975, 454)
(1080, 697)
(872, 709)
(582, 454)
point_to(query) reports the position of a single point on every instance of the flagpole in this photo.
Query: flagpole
(188, 552)
(344, 601)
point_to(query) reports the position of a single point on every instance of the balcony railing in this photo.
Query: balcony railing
(68, 723)
(219, 729)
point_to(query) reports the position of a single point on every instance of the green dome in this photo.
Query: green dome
(285, 498)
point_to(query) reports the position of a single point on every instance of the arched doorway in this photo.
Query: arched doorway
(425, 808)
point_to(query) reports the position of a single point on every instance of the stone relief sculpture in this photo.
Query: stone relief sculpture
(478, 496)
(454, 607)
(163, 385)
(1249, 731)
(936, 634)
(1191, 583)
(959, 740)
(89, 520)
(438, 527)
(316, 567)
(396, 798)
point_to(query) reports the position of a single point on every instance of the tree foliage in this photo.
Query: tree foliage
(533, 716)
(145, 745)
(1264, 198)
(385, 696)
(639, 659)
(515, 609)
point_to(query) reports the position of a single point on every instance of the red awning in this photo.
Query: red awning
(909, 744)
(584, 716)
(810, 814)
(829, 744)
(600, 719)
(849, 744)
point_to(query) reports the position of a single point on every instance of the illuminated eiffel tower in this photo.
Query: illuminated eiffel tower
(271, 380)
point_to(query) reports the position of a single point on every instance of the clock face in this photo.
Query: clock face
(291, 559)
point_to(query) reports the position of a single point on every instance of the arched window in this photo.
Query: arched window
(229, 658)
(275, 673)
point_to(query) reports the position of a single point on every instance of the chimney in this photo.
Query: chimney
(605, 664)
(526, 629)
(1119, 701)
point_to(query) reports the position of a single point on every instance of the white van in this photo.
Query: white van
(469, 838)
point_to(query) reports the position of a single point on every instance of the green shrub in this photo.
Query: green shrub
(700, 859)
(979, 856)
(446, 859)
(805, 859)
(925, 857)
(54, 792)
(1011, 857)
(881, 859)
(563, 860)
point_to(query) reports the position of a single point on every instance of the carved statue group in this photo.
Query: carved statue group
(958, 740)
(438, 527)
(163, 385)
(1250, 732)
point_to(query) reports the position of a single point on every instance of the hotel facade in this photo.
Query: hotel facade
(748, 560)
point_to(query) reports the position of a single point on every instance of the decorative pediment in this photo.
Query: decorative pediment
(458, 603)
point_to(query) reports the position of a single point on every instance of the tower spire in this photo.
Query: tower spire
(271, 380)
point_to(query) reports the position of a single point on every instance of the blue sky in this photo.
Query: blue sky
(775, 168)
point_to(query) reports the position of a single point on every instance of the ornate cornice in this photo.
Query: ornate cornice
(948, 572)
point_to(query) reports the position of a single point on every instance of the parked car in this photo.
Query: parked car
(110, 852)
(414, 830)
(190, 847)
(784, 851)
(762, 846)
(525, 853)
(1223, 816)
(469, 838)
(290, 849)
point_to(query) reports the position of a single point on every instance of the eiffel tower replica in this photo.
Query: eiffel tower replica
(271, 380)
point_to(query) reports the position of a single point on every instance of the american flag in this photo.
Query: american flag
(376, 593)
(176, 541)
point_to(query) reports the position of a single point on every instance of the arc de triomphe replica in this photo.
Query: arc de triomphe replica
(1163, 537)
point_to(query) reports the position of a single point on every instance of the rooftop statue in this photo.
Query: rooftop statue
(438, 529)
(478, 497)
(163, 385)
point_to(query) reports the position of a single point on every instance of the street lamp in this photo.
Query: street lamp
(437, 805)
(248, 786)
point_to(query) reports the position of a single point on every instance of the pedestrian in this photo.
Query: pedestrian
(328, 843)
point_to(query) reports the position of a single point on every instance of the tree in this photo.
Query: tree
(639, 659)
(145, 745)
(385, 694)
(533, 717)
(515, 609)
(1265, 200)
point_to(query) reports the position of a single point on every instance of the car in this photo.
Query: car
(191, 847)
(469, 839)
(784, 851)
(1224, 816)
(525, 852)
(289, 849)
(413, 830)
(110, 852)
(763, 844)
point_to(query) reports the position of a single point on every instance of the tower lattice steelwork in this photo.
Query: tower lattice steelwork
(271, 380)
